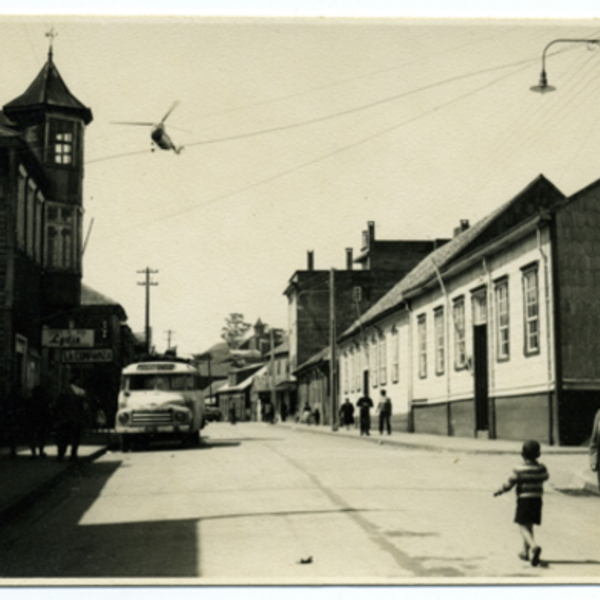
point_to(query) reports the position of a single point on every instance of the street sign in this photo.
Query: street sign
(93, 355)
(68, 338)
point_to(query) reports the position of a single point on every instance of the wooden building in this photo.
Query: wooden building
(41, 177)
(493, 334)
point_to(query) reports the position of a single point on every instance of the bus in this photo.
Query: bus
(159, 399)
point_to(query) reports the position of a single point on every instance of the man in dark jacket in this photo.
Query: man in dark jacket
(365, 404)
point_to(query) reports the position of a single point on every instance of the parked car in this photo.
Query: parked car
(212, 413)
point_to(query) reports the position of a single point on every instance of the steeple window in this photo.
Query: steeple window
(63, 142)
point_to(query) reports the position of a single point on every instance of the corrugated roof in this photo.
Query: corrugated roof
(426, 269)
(50, 91)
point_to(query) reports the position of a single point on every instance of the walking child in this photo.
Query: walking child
(529, 480)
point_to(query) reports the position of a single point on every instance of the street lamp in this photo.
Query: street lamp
(543, 86)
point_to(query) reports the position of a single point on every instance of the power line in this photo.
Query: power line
(329, 154)
(338, 114)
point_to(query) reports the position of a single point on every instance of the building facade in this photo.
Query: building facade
(492, 334)
(41, 177)
(382, 264)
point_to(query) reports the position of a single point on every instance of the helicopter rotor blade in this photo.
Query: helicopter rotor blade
(169, 111)
(133, 123)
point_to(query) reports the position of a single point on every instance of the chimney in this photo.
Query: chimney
(310, 260)
(371, 231)
(349, 259)
(464, 225)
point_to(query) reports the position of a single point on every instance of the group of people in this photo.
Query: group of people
(37, 417)
(364, 405)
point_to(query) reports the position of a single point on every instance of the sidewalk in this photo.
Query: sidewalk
(24, 479)
(573, 461)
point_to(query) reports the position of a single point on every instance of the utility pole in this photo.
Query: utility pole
(272, 369)
(147, 283)
(333, 357)
(169, 332)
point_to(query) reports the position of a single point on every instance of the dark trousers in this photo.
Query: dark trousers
(365, 423)
(68, 434)
(384, 423)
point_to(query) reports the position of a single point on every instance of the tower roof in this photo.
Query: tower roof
(48, 91)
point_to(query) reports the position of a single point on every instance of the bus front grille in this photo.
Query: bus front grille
(151, 417)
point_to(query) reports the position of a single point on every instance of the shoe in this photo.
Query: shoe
(535, 556)
(524, 556)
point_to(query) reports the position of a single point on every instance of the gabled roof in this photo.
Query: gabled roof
(539, 194)
(238, 387)
(90, 297)
(48, 91)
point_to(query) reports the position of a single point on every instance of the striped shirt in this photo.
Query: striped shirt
(529, 480)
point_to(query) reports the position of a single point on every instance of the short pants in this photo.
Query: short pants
(529, 510)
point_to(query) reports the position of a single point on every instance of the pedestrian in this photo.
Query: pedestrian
(70, 417)
(365, 404)
(595, 447)
(528, 478)
(269, 413)
(232, 415)
(38, 420)
(283, 411)
(316, 415)
(306, 414)
(384, 408)
(347, 414)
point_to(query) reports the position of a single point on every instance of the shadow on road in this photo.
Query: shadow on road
(53, 540)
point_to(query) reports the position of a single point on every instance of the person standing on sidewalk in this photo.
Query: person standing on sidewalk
(347, 414)
(595, 447)
(365, 404)
(70, 417)
(529, 480)
(384, 408)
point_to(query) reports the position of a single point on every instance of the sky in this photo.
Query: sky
(296, 133)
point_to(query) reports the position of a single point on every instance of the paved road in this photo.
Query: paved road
(256, 500)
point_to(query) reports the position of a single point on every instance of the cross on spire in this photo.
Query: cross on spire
(51, 34)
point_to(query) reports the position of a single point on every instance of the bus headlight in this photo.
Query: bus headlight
(180, 417)
(123, 418)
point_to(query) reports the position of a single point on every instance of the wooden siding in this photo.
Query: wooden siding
(462, 418)
(523, 417)
(578, 272)
(431, 419)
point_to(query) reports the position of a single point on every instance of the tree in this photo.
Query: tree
(234, 330)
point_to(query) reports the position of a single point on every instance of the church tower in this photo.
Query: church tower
(52, 121)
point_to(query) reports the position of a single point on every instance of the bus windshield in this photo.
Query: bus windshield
(159, 382)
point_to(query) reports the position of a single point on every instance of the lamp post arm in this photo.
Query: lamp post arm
(564, 41)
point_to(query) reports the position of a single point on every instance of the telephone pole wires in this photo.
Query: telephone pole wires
(147, 283)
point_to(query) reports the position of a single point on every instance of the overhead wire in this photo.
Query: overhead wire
(339, 114)
(444, 52)
(508, 148)
(328, 155)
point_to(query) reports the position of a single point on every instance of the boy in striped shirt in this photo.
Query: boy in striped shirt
(529, 481)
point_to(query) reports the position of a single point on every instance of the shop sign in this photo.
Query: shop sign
(94, 355)
(68, 338)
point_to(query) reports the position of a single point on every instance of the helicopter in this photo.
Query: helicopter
(160, 138)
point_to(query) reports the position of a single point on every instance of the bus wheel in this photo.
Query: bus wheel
(125, 442)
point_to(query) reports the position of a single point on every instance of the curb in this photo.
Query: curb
(30, 498)
(418, 445)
